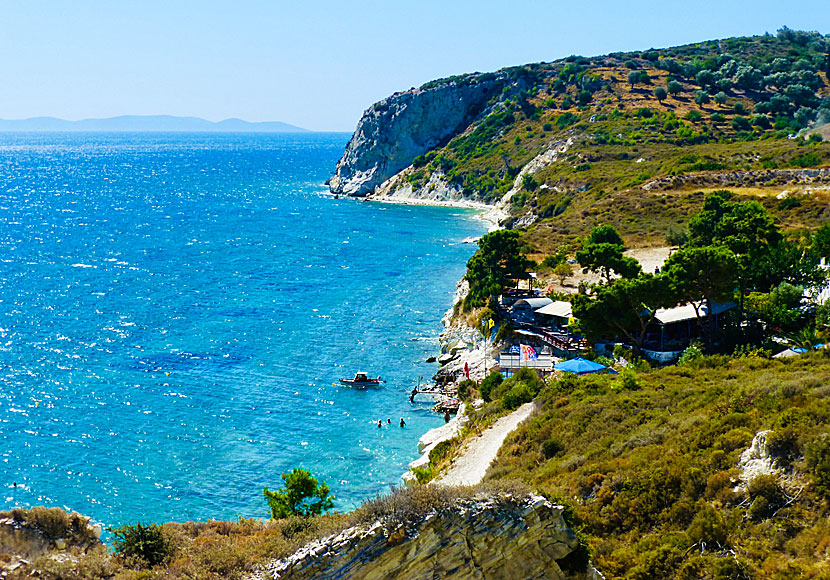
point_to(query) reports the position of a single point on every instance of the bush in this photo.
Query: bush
(817, 454)
(518, 395)
(552, 447)
(767, 496)
(692, 353)
(489, 384)
(708, 527)
(465, 387)
(147, 544)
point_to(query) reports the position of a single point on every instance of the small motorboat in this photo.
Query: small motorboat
(361, 379)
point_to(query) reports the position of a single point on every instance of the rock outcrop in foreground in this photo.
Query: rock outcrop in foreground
(397, 129)
(482, 538)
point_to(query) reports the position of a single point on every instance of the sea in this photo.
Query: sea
(176, 311)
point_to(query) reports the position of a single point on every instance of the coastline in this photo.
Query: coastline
(479, 452)
(492, 214)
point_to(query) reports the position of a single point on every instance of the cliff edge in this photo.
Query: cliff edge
(481, 538)
(397, 129)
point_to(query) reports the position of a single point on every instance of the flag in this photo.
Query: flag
(490, 324)
(515, 349)
(529, 353)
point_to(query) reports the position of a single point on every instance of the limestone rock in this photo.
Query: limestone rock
(486, 538)
(397, 129)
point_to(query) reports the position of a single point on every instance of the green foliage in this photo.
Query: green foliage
(465, 387)
(660, 93)
(495, 265)
(674, 88)
(144, 543)
(520, 388)
(607, 259)
(692, 353)
(563, 271)
(626, 307)
(529, 183)
(552, 447)
(708, 527)
(817, 455)
(605, 234)
(490, 383)
(302, 495)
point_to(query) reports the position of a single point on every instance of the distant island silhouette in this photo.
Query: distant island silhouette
(148, 123)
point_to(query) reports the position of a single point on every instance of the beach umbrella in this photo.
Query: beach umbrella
(579, 366)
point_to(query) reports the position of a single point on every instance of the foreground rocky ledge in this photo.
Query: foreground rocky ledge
(483, 538)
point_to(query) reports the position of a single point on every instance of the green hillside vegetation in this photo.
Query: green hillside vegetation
(721, 106)
(649, 463)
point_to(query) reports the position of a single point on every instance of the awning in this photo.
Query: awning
(534, 303)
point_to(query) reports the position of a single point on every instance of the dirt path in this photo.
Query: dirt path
(478, 454)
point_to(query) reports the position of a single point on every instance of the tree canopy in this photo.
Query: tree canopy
(625, 307)
(495, 265)
(302, 495)
(607, 259)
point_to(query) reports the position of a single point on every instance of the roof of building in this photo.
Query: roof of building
(558, 308)
(687, 312)
(534, 303)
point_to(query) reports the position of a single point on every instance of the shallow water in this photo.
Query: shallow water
(174, 311)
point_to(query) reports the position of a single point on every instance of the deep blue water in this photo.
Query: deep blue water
(175, 308)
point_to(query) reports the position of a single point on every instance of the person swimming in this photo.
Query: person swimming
(403, 423)
(380, 423)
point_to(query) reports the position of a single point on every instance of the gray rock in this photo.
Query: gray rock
(397, 129)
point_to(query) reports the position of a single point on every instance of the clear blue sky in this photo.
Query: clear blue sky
(319, 64)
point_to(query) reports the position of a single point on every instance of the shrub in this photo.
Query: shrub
(147, 544)
(708, 526)
(490, 383)
(817, 454)
(694, 116)
(692, 353)
(518, 394)
(552, 447)
(767, 496)
(465, 387)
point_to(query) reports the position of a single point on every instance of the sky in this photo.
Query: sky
(320, 64)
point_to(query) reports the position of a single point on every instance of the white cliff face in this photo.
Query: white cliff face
(483, 538)
(397, 129)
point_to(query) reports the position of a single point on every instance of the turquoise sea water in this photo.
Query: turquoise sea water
(175, 308)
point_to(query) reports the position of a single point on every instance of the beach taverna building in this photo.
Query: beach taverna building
(676, 328)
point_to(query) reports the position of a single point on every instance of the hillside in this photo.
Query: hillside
(583, 141)
(654, 465)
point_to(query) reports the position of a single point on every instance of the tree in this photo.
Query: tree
(741, 123)
(703, 274)
(674, 88)
(495, 265)
(638, 76)
(626, 307)
(605, 234)
(702, 98)
(720, 98)
(301, 496)
(606, 259)
(821, 242)
(705, 78)
(660, 93)
(563, 271)
(779, 308)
